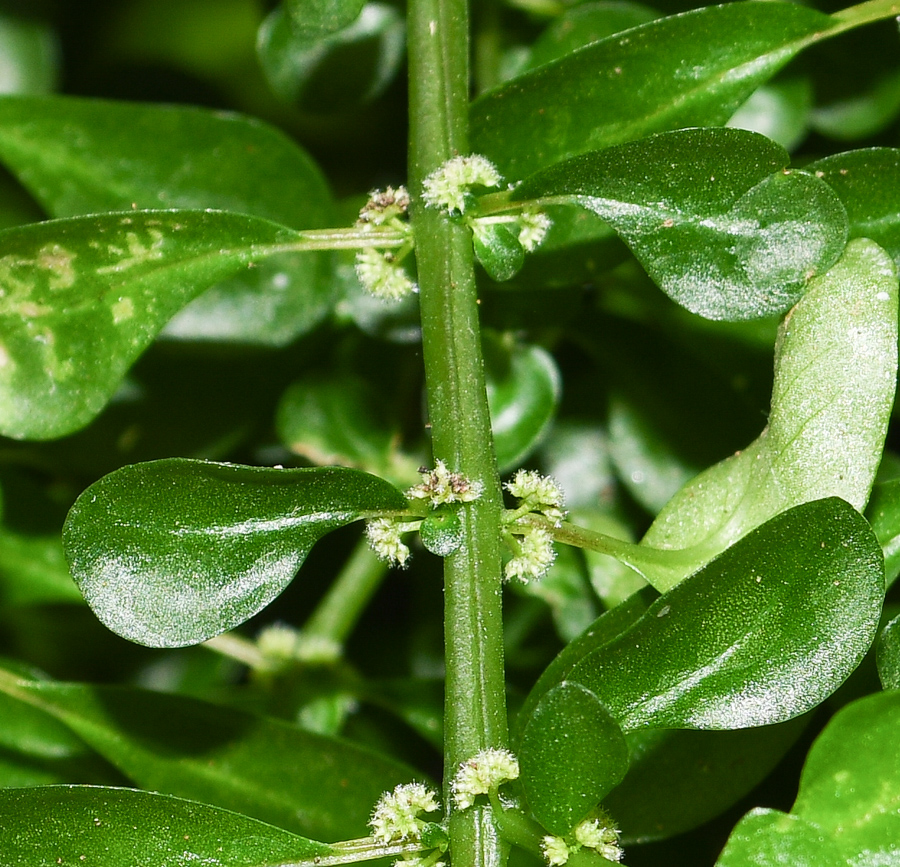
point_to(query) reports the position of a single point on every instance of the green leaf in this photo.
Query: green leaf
(319, 18)
(30, 55)
(498, 250)
(883, 512)
(835, 373)
(693, 69)
(572, 754)
(85, 296)
(779, 110)
(105, 827)
(523, 389)
(441, 532)
(265, 768)
(173, 552)
(850, 785)
(33, 571)
(679, 779)
(335, 72)
(770, 838)
(888, 655)
(87, 156)
(712, 214)
(763, 633)
(584, 24)
(868, 183)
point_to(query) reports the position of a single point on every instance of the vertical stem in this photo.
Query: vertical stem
(475, 715)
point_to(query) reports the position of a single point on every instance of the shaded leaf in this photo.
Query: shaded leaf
(883, 512)
(572, 753)
(523, 390)
(693, 69)
(763, 633)
(30, 55)
(868, 183)
(33, 571)
(105, 827)
(888, 655)
(336, 71)
(173, 552)
(265, 768)
(498, 250)
(779, 110)
(712, 214)
(85, 296)
(679, 779)
(86, 156)
(319, 18)
(835, 373)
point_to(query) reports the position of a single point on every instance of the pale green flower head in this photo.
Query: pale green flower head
(446, 188)
(396, 815)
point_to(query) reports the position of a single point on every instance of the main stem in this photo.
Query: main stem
(475, 715)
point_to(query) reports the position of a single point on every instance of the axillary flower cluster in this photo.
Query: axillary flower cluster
(449, 189)
(397, 817)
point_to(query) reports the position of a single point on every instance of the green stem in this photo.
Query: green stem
(460, 422)
(337, 613)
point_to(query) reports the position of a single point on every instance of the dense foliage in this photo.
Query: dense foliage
(493, 400)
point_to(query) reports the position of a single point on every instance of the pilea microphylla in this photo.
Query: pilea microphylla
(526, 504)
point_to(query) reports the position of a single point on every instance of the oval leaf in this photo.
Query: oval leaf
(850, 785)
(763, 633)
(266, 768)
(572, 754)
(108, 827)
(835, 375)
(84, 297)
(87, 156)
(693, 69)
(888, 655)
(712, 214)
(173, 552)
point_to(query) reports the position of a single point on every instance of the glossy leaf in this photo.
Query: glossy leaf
(679, 779)
(884, 514)
(763, 633)
(693, 69)
(498, 250)
(584, 24)
(338, 71)
(572, 754)
(80, 156)
(712, 214)
(523, 389)
(105, 827)
(770, 838)
(850, 785)
(779, 110)
(888, 655)
(85, 296)
(835, 372)
(868, 183)
(265, 768)
(173, 552)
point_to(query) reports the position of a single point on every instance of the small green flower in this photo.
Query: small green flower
(396, 815)
(440, 486)
(281, 644)
(534, 556)
(384, 206)
(447, 187)
(383, 535)
(482, 774)
(382, 276)
(534, 227)
(538, 493)
(555, 850)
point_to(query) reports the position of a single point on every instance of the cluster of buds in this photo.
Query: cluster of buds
(482, 775)
(532, 546)
(440, 486)
(396, 818)
(597, 833)
(381, 272)
(448, 187)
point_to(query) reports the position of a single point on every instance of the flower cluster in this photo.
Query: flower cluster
(448, 187)
(440, 486)
(396, 815)
(382, 275)
(482, 774)
(533, 557)
(537, 493)
(383, 535)
(597, 833)
(384, 206)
